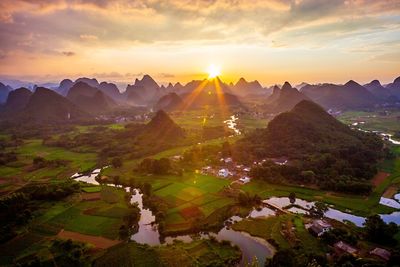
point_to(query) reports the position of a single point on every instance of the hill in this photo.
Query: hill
(394, 87)
(4, 90)
(162, 128)
(379, 91)
(146, 88)
(89, 98)
(47, 105)
(244, 88)
(321, 150)
(284, 99)
(169, 102)
(348, 96)
(17, 99)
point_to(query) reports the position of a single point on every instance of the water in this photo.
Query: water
(148, 232)
(332, 213)
(249, 245)
(231, 123)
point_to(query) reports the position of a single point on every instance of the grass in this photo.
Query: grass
(102, 217)
(197, 253)
(266, 228)
(91, 189)
(22, 168)
(373, 120)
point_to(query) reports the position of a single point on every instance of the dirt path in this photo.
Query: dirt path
(97, 241)
(379, 178)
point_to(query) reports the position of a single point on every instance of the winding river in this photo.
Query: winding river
(249, 245)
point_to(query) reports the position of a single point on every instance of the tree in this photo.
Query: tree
(378, 231)
(282, 258)
(116, 162)
(292, 197)
(147, 189)
(318, 209)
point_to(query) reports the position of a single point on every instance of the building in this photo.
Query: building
(319, 227)
(226, 160)
(244, 180)
(342, 247)
(223, 173)
(206, 170)
(381, 253)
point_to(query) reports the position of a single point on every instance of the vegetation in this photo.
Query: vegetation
(334, 156)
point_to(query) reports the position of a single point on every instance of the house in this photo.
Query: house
(381, 253)
(342, 247)
(177, 158)
(223, 173)
(206, 170)
(247, 169)
(319, 227)
(244, 180)
(226, 160)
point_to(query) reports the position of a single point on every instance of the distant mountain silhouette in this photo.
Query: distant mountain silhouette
(109, 89)
(146, 88)
(243, 88)
(349, 95)
(4, 90)
(18, 99)
(47, 105)
(90, 98)
(379, 91)
(394, 88)
(169, 102)
(284, 99)
(64, 87)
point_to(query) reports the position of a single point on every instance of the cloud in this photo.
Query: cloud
(166, 75)
(68, 53)
(88, 37)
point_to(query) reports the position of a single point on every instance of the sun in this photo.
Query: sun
(213, 71)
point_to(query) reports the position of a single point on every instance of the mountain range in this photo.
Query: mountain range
(90, 96)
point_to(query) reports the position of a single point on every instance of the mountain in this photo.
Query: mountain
(169, 102)
(243, 88)
(394, 88)
(90, 98)
(338, 157)
(347, 96)
(284, 99)
(378, 90)
(146, 88)
(4, 90)
(17, 99)
(47, 105)
(162, 128)
(110, 89)
(64, 87)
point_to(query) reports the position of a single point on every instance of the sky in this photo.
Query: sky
(271, 41)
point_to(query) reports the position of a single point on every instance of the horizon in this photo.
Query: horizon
(274, 41)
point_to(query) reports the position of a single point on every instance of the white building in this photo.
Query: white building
(223, 173)
(244, 180)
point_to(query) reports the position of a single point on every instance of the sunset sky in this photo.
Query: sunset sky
(271, 41)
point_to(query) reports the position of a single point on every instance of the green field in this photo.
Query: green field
(194, 191)
(197, 253)
(22, 171)
(374, 121)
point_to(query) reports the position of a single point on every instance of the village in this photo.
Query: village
(238, 173)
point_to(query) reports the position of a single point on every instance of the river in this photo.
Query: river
(231, 123)
(249, 245)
